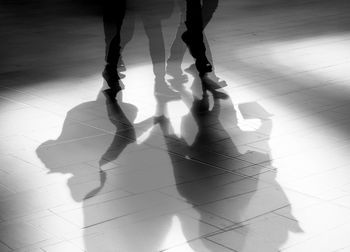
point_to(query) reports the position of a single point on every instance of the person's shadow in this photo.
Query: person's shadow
(102, 165)
(99, 164)
(64, 153)
(214, 146)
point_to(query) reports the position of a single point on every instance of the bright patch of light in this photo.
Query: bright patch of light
(139, 91)
(326, 57)
(177, 110)
(246, 124)
(175, 235)
(144, 136)
(321, 52)
(249, 124)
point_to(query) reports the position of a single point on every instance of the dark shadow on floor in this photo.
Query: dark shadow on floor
(135, 196)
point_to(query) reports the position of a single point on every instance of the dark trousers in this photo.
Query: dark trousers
(113, 15)
(194, 25)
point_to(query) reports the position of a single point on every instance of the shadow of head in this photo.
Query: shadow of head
(78, 149)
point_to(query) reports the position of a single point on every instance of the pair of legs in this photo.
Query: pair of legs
(178, 48)
(193, 36)
(114, 14)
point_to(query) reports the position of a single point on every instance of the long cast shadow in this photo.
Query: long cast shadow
(212, 139)
(199, 178)
(92, 160)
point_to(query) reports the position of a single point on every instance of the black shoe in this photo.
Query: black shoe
(111, 76)
(203, 66)
(121, 66)
(213, 82)
(198, 67)
(202, 63)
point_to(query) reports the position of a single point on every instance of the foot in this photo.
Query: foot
(121, 66)
(191, 70)
(203, 66)
(111, 76)
(173, 69)
(162, 88)
(202, 63)
(212, 81)
(209, 83)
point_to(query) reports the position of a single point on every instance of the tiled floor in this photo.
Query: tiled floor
(260, 165)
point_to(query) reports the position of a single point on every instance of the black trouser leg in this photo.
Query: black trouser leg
(114, 12)
(194, 24)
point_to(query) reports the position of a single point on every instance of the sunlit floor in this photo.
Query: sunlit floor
(261, 164)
